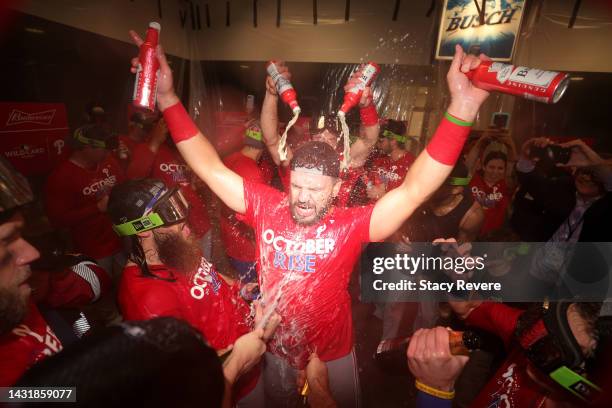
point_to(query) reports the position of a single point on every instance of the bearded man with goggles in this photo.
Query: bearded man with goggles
(167, 274)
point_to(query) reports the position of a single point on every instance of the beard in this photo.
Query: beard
(177, 252)
(13, 308)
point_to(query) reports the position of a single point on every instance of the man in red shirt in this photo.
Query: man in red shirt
(238, 238)
(325, 129)
(389, 171)
(307, 248)
(140, 130)
(166, 274)
(26, 337)
(76, 196)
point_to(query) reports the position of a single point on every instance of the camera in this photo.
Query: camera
(552, 153)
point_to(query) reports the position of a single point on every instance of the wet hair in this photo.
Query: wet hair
(161, 362)
(127, 202)
(329, 122)
(495, 155)
(317, 156)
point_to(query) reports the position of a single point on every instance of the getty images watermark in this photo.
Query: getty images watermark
(502, 271)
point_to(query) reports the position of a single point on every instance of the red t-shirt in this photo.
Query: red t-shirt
(391, 172)
(28, 343)
(314, 263)
(350, 192)
(494, 201)
(202, 299)
(511, 385)
(168, 166)
(71, 198)
(238, 238)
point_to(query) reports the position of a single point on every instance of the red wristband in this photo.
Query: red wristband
(446, 144)
(179, 123)
(369, 116)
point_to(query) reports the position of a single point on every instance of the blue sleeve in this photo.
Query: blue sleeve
(424, 400)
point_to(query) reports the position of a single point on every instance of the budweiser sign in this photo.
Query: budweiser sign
(17, 117)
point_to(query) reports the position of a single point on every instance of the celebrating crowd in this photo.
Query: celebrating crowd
(140, 314)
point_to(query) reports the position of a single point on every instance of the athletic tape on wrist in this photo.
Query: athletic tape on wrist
(180, 125)
(446, 144)
(369, 116)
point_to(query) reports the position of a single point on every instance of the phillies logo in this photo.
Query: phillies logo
(17, 117)
(25, 152)
(59, 146)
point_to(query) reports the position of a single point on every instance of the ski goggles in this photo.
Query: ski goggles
(168, 207)
(110, 143)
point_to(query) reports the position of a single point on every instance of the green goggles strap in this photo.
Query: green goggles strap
(459, 181)
(253, 134)
(91, 142)
(148, 222)
(575, 383)
(389, 134)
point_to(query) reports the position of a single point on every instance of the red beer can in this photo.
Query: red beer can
(283, 87)
(530, 83)
(352, 97)
(145, 86)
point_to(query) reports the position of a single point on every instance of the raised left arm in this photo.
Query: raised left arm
(435, 163)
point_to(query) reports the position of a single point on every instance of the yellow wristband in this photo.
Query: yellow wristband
(449, 395)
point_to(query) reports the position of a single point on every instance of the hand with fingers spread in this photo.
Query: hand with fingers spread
(430, 359)
(166, 96)
(465, 97)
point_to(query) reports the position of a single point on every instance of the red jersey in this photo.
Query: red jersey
(494, 201)
(238, 238)
(310, 265)
(168, 166)
(71, 196)
(352, 190)
(202, 299)
(392, 172)
(511, 386)
(28, 343)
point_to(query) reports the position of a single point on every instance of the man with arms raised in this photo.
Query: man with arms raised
(308, 248)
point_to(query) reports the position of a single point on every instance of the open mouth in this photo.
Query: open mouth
(304, 210)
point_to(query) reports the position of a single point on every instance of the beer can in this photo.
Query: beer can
(530, 83)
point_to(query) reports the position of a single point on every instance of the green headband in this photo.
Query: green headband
(88, 141)
(389, 134)
(146, 223)
(575, 383)
(254, 134)
(458, 181)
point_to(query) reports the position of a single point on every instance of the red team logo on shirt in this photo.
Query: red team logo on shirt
(204, 280)
(487, 200)
(178, 172)
(101, 186)
(51, 343)
(299, 256)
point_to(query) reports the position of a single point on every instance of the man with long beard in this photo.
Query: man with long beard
(166, 274)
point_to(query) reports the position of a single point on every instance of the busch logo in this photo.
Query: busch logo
(17, 117)
(25, 152)
(495, 18)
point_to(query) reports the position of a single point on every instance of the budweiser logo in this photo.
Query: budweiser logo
(17, 117)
